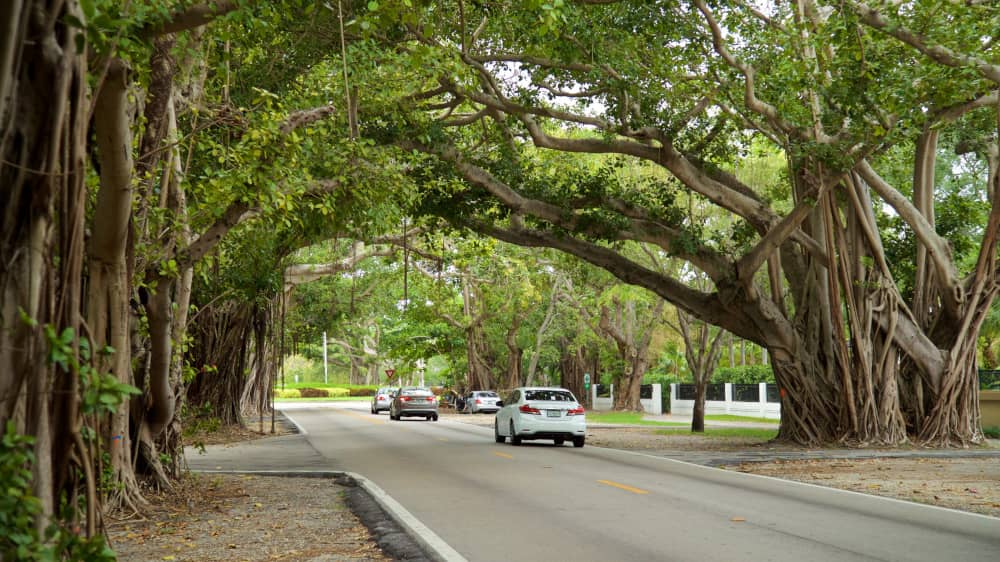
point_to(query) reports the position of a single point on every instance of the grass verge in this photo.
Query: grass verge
(327, 399)
(992, 432)
(731, 417)
(630, 418)
(724, 432)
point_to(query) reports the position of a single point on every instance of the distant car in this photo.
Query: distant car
(532, 412)
(481, 401)
(382, 399)
(414, 401)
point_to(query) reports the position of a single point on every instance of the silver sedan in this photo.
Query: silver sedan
(414, 401)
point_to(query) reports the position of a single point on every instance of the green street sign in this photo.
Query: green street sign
(586, 378)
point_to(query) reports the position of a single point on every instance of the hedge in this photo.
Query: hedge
(287, 393)
(746, 374)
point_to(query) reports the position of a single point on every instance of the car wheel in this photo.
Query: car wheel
(496, 433)
(558, 442)
(514, 438)
(578, 442)
(434, 417)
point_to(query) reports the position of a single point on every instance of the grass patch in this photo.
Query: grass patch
(289, 384)
(631, 418)
(327, 399)
(992, 432)
(723, 432)
(731, 417)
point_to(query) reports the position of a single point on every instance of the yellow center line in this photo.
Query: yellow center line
(504, 455)
(624, 487)
(361, 417)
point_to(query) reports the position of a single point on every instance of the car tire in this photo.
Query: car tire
(434, 417)
(496, 433)
(515, 439)
(559, 442)
(578, 442)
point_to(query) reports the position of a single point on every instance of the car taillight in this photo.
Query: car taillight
(575, 412)
(526, 409)
(404, 398)
(478, 401)
(381, 397)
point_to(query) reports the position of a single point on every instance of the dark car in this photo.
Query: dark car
(414, 401)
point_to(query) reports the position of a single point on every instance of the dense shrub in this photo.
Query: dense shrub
(361, 391)
(336, 392)
(314, 393)
(287, 393)
(745, 374)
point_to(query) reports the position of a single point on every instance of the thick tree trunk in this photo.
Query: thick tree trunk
(698, 413)
(219, 352)
(515, 354)
(573, 364)
(43, 121)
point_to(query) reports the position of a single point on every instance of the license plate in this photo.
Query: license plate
(553, 413)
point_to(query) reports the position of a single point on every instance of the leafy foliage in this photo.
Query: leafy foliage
(19, 537)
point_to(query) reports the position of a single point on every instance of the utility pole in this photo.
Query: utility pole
(326, 378)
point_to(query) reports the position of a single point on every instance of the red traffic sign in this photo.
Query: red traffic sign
(390, 372)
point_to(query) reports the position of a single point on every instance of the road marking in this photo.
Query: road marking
(624, 487)
(361, 417)
(442, 439)
(504, 455)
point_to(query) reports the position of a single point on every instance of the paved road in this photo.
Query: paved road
(546, 503)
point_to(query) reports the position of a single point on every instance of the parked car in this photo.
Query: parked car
(414, 401)
(481, 401)
(533, 412)
(382, 399)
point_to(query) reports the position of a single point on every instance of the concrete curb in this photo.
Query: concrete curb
(433, 546)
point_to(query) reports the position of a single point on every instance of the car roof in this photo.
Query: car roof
(541, 388)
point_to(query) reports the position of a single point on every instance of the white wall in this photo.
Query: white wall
(652, 406)
(760, 409)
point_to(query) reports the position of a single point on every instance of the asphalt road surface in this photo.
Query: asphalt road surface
(544, 503)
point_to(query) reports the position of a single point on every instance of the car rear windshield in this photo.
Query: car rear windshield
(489, 394)
(416, 391)
(551, 395)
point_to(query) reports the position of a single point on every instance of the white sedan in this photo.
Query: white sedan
(532, 412)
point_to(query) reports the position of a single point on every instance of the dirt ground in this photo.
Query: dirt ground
(967, 484)
(217, 518)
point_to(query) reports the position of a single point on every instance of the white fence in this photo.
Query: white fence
(761, 408)
(652, 405)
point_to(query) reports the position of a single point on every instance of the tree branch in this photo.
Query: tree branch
(191, 17)
(938, 53)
